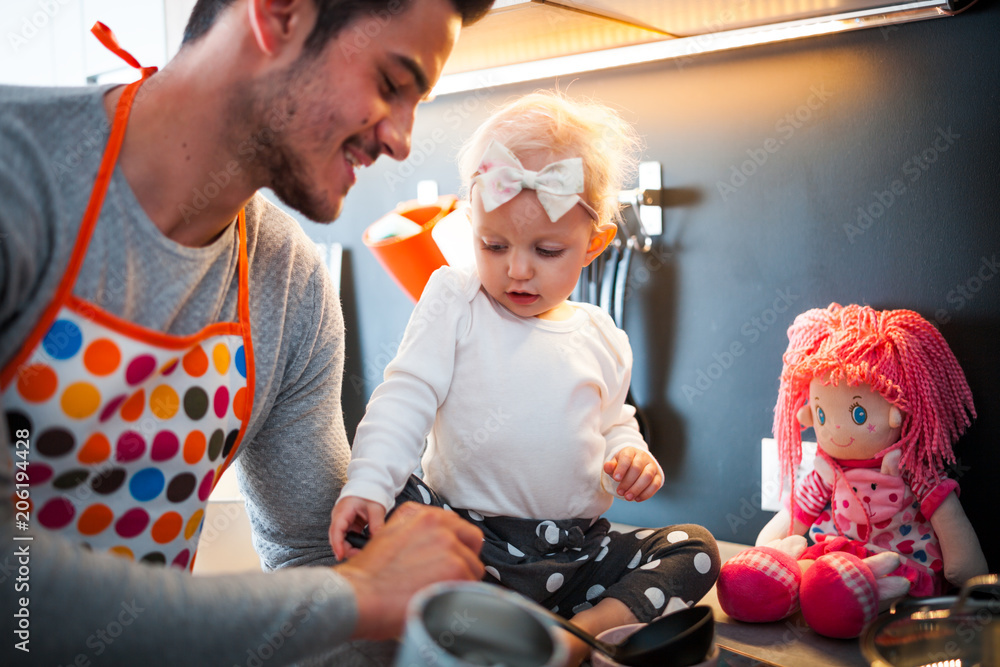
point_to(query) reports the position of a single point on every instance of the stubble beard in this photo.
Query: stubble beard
(277, 164)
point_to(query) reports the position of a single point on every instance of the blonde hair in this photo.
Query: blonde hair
(553, 123)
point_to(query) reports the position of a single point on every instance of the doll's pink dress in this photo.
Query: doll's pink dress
(866, 512)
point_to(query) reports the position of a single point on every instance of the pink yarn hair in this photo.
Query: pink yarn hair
(901, 356)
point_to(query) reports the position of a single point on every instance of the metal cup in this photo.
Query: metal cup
(476, 624)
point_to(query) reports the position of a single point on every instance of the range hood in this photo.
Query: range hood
(522, 40)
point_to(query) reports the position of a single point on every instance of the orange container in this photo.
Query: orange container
(411, 260)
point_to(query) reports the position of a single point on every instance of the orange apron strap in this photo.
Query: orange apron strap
(110, 42)
(97, 193)
(244, 314)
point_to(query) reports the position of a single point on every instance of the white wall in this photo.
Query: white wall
(48, 42)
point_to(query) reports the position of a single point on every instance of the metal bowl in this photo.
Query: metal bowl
(461, 624)
(939, 632)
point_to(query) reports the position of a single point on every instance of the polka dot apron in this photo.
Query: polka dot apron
(130, 428)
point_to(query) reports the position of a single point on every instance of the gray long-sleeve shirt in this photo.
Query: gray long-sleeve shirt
(292, 460)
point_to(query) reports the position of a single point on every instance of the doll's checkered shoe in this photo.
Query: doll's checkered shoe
(839, 595)
(759, 585)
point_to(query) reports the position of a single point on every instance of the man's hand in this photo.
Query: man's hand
(352, 514)
(418, 546)
(636, 472)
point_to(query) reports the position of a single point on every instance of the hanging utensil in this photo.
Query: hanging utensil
(630, 223)
(606, 298)
(593, 280)
(621, 285)
(604, 283)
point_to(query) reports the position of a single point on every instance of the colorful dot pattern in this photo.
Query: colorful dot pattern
(130, 437)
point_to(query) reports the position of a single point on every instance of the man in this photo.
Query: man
(159, 319)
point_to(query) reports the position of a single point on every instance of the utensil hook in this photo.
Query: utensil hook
(630, 227)
(973, 584)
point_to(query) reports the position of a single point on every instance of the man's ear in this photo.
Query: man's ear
(275, 22)
(805, 416)
(599, 240)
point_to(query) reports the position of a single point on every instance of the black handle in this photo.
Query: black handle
(357, 540)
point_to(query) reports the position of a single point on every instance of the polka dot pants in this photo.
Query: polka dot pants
(570, 565)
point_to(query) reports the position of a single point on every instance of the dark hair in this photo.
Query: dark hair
(332, 17)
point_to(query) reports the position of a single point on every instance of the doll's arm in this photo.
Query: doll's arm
(960, 550)
(811, 495)
(963, 557)
(777, 528)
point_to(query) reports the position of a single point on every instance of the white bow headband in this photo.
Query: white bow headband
(557, 185)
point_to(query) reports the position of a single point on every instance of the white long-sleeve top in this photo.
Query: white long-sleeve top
(519, 414)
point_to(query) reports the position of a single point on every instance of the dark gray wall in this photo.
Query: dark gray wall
(777, 147)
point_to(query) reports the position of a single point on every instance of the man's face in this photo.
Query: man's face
(341, 108)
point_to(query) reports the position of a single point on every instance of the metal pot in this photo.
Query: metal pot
(465, 624)
(948, 631)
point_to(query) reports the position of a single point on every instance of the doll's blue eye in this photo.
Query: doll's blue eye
(821, 416)
(859, 415)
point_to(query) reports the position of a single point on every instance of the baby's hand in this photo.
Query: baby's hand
(636, 472)
(352, 514)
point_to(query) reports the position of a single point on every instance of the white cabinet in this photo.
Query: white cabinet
(42, 42)
(140, 28)
(48, 42)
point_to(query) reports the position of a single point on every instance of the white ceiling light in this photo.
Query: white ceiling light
(689, 46)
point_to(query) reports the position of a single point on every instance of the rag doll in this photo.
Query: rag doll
(886, 399)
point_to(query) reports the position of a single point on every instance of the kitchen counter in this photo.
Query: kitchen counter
(225, 548)
(788, 643)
